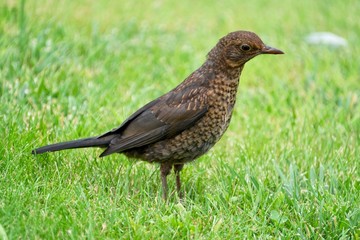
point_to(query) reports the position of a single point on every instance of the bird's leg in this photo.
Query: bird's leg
(165, 169)
(177, 169)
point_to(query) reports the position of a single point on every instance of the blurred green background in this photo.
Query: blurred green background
(288, 167)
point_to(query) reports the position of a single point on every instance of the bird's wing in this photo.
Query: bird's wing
(161, 119)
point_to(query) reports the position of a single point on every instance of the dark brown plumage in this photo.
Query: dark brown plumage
(186, 122)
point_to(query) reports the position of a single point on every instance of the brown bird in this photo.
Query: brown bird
(186, 122)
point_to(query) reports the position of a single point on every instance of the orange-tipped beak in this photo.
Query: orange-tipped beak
(271, 50)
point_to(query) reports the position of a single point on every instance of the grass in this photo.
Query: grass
(288, 167)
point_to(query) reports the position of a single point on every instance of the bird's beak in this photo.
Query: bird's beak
(271, 50)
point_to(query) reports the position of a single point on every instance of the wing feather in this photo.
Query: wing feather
(158, 120)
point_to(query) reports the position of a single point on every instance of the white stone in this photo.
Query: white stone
(326, 38)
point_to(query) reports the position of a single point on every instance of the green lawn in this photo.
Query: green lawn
(287, 168)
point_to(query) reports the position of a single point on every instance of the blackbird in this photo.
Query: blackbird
(186, 122)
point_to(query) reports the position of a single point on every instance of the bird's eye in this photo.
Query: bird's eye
(245, 47)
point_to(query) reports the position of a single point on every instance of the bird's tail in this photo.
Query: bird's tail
(81, 143)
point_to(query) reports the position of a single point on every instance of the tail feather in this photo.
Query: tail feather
(81, 143)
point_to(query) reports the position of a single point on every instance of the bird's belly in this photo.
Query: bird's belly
(189, 144)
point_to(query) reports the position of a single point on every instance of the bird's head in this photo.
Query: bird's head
(238, 47)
